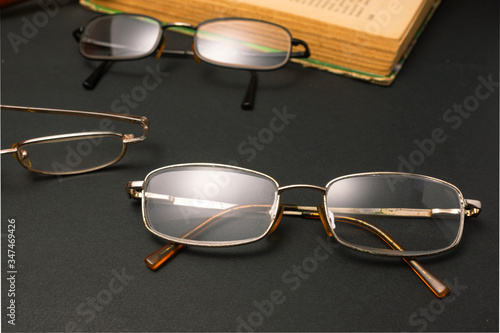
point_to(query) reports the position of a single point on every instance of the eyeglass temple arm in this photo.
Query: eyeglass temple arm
(435, 284)
(248, 100)
(91, 82)
(472, 207)
(157, 258)
(140, 120)
(438, 287)
(8, 151)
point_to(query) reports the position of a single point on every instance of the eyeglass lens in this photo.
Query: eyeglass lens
(242, 43)
(71, 155)
(120, 37)
(421, 214)
(204, 203)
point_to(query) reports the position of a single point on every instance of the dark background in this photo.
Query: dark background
(73, 236)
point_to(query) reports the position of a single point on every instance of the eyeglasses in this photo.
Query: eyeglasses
(238, 43)
(382, 213)
(73, 153)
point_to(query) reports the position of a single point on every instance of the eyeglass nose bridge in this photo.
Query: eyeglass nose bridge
(304, 186)
(310, 212)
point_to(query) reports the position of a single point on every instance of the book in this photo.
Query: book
(365, 39)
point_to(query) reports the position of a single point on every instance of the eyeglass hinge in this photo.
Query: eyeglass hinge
(472, 208)
(134, 189)
(129, 138)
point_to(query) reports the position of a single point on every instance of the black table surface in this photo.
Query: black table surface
(80, 242)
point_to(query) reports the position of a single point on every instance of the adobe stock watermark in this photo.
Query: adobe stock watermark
(291, 280)
(205, 195)
(375, 24)
(258, 142)
(76, 152)
(425, 315)
(93, 305)
(139, 93)
(454, 118)
(31, 26)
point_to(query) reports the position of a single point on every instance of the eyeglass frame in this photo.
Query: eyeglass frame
(249, 97)
(469, 208)
(126, 138)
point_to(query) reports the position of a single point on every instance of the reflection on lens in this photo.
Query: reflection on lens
(209, 204)
(240, 43)
(120, 37)
(419, 213)
(71, 155)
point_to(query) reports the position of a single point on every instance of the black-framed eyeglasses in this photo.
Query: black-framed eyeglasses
(238, 43)
(383, 213)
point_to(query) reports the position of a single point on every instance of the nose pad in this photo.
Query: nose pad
(279, 215)
(324, 219)
(24, 157)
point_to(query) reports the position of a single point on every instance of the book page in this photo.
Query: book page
(385, 18)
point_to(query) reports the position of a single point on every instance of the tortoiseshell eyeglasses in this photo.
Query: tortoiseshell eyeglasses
(390, 214)
(73, 153)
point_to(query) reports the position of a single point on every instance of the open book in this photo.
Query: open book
(366, 39)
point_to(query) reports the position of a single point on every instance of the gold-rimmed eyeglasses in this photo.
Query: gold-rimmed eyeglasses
(383, 213)
(73, 153)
